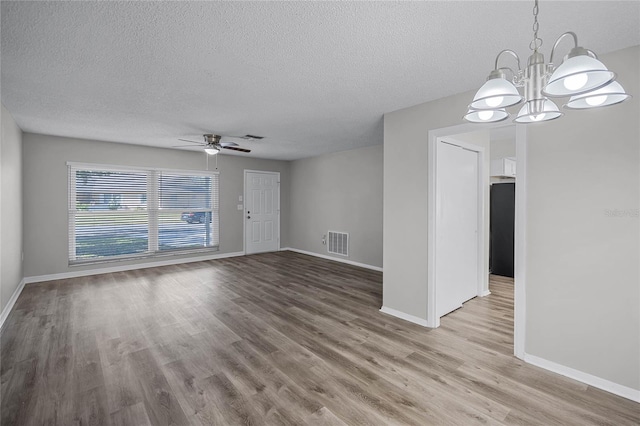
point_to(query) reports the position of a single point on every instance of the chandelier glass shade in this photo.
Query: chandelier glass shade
(580, 76)
(577, 75)
(611, 94)
(496, 93)
(531, 113)
(486, 115)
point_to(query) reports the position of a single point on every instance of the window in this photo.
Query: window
(117, 213)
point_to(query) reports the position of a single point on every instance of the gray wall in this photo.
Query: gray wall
(503, 148)
(11, 210)
(339, 192)
(45, 193)
(583, 283)
(405, 212)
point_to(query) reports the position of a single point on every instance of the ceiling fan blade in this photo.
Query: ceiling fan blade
(187, 140)
(237, 149)
(184, 146)
(226, 144)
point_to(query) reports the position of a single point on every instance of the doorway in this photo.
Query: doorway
(261, 211)
(448, 133)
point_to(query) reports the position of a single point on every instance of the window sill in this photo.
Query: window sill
(156, 255)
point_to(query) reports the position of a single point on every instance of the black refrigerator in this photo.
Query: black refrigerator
(502, 219)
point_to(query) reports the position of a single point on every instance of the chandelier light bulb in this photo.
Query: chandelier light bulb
(576, 82)
(494, 101)
(596, 100)
(485, 115)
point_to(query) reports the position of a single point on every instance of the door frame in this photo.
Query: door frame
(482, 283)
(519, 326)
(244, 206)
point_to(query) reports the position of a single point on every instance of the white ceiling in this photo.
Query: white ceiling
(313, 77)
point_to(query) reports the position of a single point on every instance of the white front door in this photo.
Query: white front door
(262, 211)
(456, 251)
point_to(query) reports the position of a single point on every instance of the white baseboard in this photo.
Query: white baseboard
(337, 259)
(485, 293)
(597, 382)
(121, 268)
(12, 301)
(406, 317)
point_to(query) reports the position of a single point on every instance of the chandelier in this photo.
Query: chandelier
(581, 77)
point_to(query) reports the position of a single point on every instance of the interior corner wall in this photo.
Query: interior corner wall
(11, 190)
(341, 192)
(405, 211)
(583, 230)
(45, 195)
(583, 277)
(503, 148)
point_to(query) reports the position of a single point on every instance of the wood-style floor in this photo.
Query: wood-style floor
(277, 338)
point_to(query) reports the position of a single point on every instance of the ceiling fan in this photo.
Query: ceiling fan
(212, 144)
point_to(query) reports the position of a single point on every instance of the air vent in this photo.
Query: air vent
(253, 137)
(338, 243)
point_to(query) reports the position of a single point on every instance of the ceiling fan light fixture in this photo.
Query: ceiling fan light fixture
(211, 150)
(611, 94)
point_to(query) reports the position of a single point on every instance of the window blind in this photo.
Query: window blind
(188, 211)
(124, 213)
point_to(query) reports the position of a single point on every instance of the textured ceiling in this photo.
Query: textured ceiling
(313, 77)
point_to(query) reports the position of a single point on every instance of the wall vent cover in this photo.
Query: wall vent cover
(338, 243)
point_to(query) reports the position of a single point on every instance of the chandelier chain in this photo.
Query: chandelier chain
(537, 41)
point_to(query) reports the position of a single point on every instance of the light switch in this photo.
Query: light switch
(240, 207)
(240, 198)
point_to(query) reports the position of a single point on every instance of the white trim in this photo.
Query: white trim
(12, 301)
(433, 320)
(436, 136)
(71, 217)
(336, 259)
(520, 249)
(403, 316)
(244, 208)
(589, 379)
(484, 293)
(116, 167)
(87, 272)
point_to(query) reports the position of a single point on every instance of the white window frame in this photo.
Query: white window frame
(153, 211)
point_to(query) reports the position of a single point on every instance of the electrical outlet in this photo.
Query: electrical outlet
(239, 197)
(324, 240)
(240, 207)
